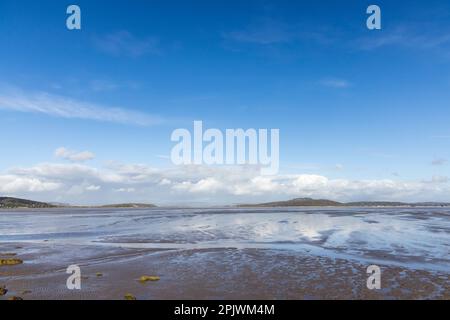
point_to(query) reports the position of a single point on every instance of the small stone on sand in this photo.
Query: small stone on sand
(3, 290)
(10, 262)
(129, 296)
(144, 279)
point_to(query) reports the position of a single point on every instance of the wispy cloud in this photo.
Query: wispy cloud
(74, 156)
(124, 43)
(265, 32)
(104, 85)
(380, 154)
(335, 83)
(439, 162)
(60, 106)
(268, 31)
(418, 37)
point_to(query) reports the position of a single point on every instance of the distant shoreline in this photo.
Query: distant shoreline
(17, 203)
(9, 203)
(308, 202)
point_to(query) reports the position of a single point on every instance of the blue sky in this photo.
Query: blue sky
(355, 107)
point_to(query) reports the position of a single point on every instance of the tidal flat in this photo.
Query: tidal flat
(226, 253)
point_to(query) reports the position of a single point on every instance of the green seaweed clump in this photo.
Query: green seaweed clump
(129, 296)
(144, 279)
(10, 262)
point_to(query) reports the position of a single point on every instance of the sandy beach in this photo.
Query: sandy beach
(226, 254)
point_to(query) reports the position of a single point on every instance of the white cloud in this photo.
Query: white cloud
(93, 188)
(76, 183)
(165, 182)
(58, 106)
(125, 190)
(437, 179)
(208, 185)
(74, 156)
(12, 183)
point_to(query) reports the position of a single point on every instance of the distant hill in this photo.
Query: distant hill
(16, 203)
(308, 202)
(12, 203)
(299, 202)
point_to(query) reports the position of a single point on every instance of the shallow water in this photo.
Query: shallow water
(417, 238)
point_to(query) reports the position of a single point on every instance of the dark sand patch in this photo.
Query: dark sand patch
(208, 274)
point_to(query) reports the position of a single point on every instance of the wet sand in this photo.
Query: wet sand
(208, 274)
(227, 253)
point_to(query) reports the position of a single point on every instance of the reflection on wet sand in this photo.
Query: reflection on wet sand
(229, 253)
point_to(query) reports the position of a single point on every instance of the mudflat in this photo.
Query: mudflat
(317, 253)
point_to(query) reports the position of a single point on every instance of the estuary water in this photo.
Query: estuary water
(416, 238)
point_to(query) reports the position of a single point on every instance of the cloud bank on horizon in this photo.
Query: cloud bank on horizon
(77, 183)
